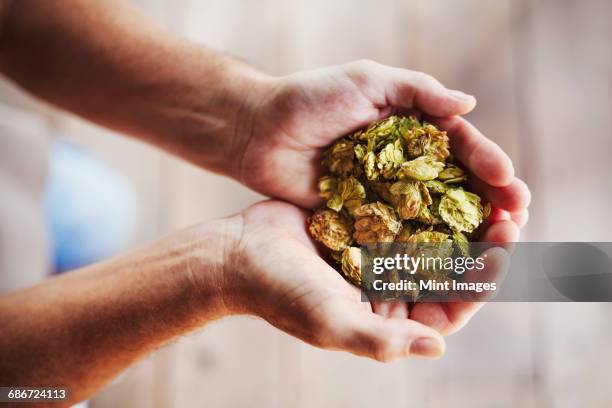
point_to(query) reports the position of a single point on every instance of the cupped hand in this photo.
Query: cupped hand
(299, 115)
(275, 272)
(281, 157)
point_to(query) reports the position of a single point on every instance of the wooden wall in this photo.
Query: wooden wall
(541, 73)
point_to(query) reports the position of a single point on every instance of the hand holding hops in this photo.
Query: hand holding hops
(392, 182)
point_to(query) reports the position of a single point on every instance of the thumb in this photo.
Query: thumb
(408, 89)
(359, 331)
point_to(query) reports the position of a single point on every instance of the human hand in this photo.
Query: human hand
(275, 272)
(301, 114)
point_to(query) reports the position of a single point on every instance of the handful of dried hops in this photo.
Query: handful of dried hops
(393, 182)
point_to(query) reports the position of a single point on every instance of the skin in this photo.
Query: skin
(105, 62)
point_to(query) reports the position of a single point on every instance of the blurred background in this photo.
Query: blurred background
(541, 71)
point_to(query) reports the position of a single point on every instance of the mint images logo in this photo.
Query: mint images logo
(522, 272)
(580, 271)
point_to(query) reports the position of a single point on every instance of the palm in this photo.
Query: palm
(307, 298)
(297, 282)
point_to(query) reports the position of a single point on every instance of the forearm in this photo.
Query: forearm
(105, 61)
(81, 329)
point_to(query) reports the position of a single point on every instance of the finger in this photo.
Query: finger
(496, 261)
(367, 334)
(445, 317)
(402, 88)
(390, 309)
(497, 214)
(449, 317)
(501, 232)
(513, 198)
(520, 218)
(482, 156)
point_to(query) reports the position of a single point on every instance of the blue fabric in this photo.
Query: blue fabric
(89, 208)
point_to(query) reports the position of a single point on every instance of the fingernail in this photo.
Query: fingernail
(459, 95)
(427, 347)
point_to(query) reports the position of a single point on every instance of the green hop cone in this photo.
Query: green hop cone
(346, 193)
(461, 210)
(390, 159)
(422, 168)
(452, 174)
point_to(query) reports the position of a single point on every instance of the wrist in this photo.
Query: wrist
(212, 267)
(247, 92)
(234, 281)
(197, 259)
(199, 107)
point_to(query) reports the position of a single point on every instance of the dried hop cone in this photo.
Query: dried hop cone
(351, 264)
(375, 222)
(331, 228)
(394, 181)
